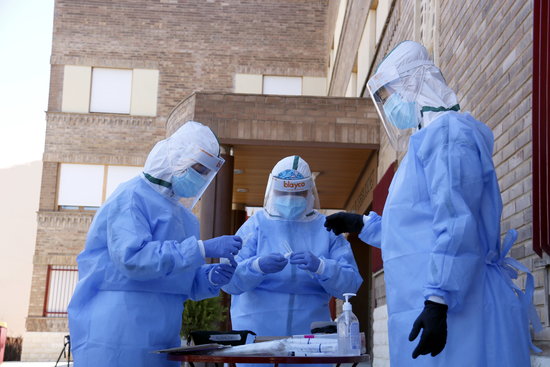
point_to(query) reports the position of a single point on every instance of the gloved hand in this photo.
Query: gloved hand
(221, 274)
(433, 319)
(272, 263)
(223, 246)
(344, 222)
(305, 260)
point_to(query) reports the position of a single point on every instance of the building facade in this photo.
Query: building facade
(271, 78)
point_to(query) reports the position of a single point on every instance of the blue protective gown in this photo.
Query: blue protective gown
(140, 263)
(440, 236)
(287, 302)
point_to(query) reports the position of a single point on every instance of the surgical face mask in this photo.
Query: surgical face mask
(290, 206)
(400, 113)
(188, 184)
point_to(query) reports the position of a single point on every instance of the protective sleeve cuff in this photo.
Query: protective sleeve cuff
(366, 219)
(201, 248)
(321, 268)
(437, 299)
(256, 266)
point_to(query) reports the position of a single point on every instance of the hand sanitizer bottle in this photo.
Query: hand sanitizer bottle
(349, 339)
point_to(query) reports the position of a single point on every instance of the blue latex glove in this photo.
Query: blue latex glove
(272, 263)
(221, 274)
(223, 246)
(305, 261)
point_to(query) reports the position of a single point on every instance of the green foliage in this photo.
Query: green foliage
(206, 314)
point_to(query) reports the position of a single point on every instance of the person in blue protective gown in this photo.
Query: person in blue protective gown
(143, 257)
(449, 286)
(289, 266)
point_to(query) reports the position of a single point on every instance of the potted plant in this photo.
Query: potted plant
(207, 314)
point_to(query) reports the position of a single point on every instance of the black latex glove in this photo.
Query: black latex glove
(433, 319)
(344, 222)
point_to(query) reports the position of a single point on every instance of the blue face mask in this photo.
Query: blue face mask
(290, 206)
(400, 113)
(188, 184)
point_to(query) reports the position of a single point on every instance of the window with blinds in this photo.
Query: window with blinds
(426, 19)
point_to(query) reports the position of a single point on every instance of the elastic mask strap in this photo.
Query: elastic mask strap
(456, 107)
(157, 181)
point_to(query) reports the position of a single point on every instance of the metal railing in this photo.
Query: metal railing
(60, 284)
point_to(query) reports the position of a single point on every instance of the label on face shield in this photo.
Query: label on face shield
(291, 185)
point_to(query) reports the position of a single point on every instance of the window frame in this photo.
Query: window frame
(66, 293)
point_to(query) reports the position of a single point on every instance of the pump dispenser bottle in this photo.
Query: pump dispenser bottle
(349, 339)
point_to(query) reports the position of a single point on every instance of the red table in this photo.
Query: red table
(190, 358)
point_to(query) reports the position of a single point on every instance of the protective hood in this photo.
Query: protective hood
(409, 92)
(192, 148)
(291, 193)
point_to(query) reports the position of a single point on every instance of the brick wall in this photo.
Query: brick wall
(101, 138)
(56, 87)
(48, 186)
(485, 53)
(196, 45)
(486, 56)
(380, 348)
(40, 347)
(60, 237)
(281, 118)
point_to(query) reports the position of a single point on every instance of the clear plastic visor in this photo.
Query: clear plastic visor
(291, 199)
(399, 138)
(204, 163)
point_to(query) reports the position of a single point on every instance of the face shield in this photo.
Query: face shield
(291, 193)
(395, 96)
(182, 166)
(193, 173)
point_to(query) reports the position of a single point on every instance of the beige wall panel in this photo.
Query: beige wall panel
(314, 86)
(366, 51)
(248, 83)
(382, 12)
(144, 92)
(336, 40)
(339, 23)
(361, 196)
(76, 89)
(352, 86)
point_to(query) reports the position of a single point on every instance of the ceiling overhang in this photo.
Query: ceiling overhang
(336, 136)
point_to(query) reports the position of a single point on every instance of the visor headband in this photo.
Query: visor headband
(291, 185)
(391, 73)
(208, 160)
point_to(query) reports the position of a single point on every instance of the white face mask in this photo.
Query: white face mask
(290, 206)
